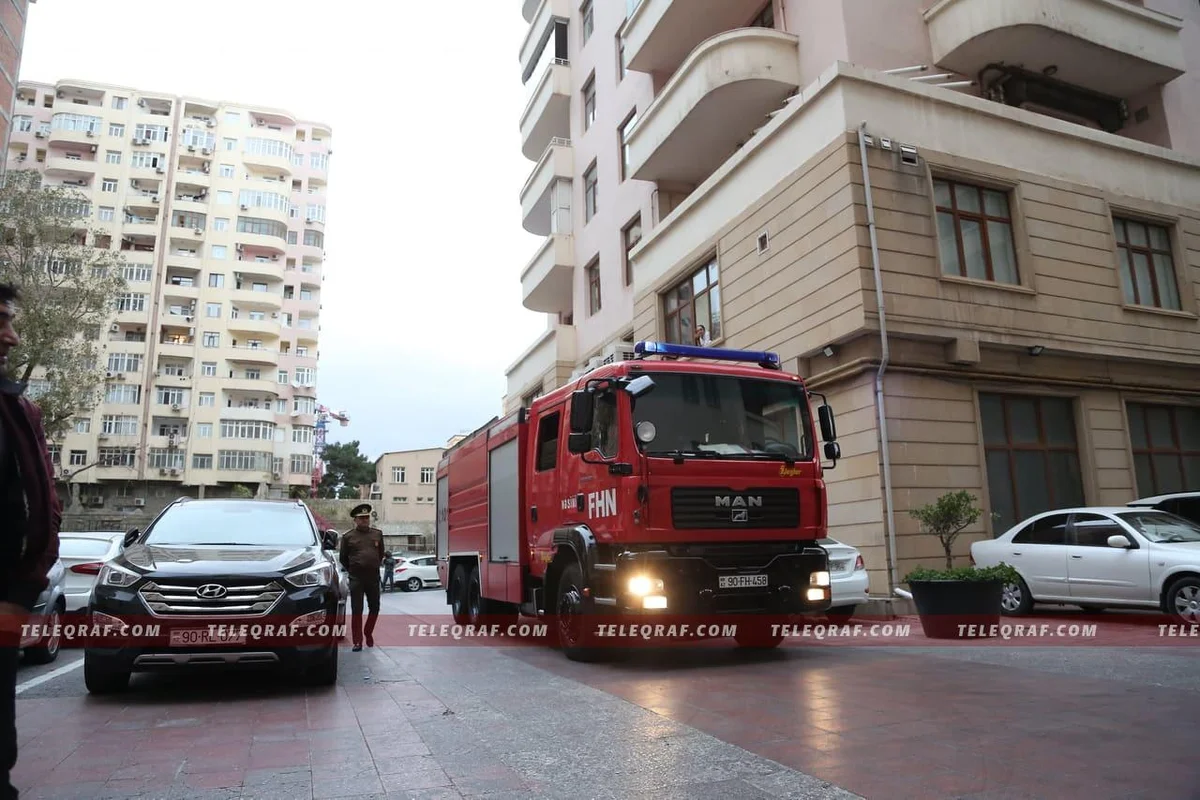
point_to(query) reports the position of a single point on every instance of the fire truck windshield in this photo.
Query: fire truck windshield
(715, 416)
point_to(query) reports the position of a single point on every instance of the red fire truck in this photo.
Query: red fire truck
(687, 481)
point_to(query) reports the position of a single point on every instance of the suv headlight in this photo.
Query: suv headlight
(114, 575)
(319, 575)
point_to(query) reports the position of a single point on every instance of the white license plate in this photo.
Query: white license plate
(838, 566)
(741, 581)
(199, 637)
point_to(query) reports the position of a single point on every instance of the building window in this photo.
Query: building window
(589, 20)
(623, 133)
(202, 461)
(590, 196)
(1032, 456)
(1166, 448)
(78, 458)
(620, 58)
(112, 157)
(631, 234)
(692, 303)
(427, 474)
(108, 185)
(398, 475)
(975, 232)
(589, 103)
(1147, 264)
(766, 17)
(593, 283)
(116, 129)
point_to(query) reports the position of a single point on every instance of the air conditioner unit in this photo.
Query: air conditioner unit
(277, 475)
(619, 351)
(114, 327)
(174, 473)
(102, 436)
(208, 123)
(174, 406)
(91, 135)
(139, 501)
(153, 198)
(142, 103)
(120, 376)
(162, 471)
(96, 500)
(593, 363)
(161, 171)
(245, 208)
(207, 151)
(198, 231)
(40, 135)
(191, 148)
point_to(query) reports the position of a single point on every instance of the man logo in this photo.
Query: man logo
(740, 515)
(211, 591)
(738, 501)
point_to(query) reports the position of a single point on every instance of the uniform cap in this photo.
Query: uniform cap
(361, 509)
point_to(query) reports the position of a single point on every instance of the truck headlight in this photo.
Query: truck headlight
(319, 575)
(642, 585)
(819, 578)
(113, 575)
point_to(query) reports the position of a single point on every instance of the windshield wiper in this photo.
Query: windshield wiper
(679, 455)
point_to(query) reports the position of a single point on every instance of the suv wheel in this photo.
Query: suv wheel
(325, 673)
(101, 680)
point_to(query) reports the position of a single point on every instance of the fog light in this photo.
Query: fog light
(312, 618)
(642, 585)
(654, 601)
(820, 578)
(815, 595)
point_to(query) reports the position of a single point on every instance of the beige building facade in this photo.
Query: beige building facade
(405, 498)
(218, 210)
(1006, 299)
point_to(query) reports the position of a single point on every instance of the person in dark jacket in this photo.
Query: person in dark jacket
(389, 571)
(31, 514)
(361, 553)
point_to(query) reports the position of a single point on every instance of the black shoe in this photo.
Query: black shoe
(356, 648)
(370, 640)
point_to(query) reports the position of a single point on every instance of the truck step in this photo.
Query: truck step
(605, 567)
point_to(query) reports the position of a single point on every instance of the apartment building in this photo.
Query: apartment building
(13, 17)
(218, 209)
(974, 226)
(405, 496)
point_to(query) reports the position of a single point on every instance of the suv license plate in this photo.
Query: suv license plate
(198, 637)
(741, 581)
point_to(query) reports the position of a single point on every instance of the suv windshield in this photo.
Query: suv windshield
(234, 523)
(717, 416)
(1159, 526)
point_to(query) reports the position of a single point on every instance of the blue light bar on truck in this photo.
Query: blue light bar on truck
(762, 358)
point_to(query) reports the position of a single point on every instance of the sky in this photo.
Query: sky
(421, 304)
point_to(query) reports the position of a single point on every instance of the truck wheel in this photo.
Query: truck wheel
(99, 680)
(757, 636)
(572, 619)
(474, 599)
(458, 595)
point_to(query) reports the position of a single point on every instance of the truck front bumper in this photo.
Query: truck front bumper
(659, 583)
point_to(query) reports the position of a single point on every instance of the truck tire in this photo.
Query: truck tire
(474, 602)
(458, 594)
(571, 617)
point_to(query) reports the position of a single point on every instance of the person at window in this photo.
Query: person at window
(361, 553)
(32, 514)
(702, 338)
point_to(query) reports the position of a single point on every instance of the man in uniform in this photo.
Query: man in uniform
(361, 553)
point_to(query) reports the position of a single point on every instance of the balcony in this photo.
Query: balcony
(541, 34)
(176, 348)
(69, 167)
(144, 227)
(725, 91)
(659, 34)
(548, 114)
(1110, 46)
(549, 362)
(251, 355)
(63, 136)
(275, 164)
(260, 301)
(246, 413)
(548, 188)
(266, 327)
(255, 386)
(547, 283)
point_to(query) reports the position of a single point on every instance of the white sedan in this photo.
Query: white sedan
(83, 554)
(415, 573)
(1098, 558)
(848, 582)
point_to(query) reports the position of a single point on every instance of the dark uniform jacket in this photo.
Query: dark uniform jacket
(30, 511)
(361, 552)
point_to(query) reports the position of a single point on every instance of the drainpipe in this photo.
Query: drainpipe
(883, 364)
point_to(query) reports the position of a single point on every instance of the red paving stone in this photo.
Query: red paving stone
(887, 724)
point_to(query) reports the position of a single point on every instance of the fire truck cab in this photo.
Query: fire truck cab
(689, 485)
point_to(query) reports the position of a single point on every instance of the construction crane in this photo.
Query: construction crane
(324, 414)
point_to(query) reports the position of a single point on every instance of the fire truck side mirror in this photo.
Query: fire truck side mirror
(828, 428)
(833, 451)
(579, 443)
(581, 411)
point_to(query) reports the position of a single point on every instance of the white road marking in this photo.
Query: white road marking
(49, 676)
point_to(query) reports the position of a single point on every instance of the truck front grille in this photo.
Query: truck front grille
(200, 598)
(715, 507)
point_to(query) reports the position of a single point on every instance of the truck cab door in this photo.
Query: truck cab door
(544, 513)
(599, 500)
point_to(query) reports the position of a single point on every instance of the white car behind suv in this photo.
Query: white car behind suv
(1100, 557)
(847, 579)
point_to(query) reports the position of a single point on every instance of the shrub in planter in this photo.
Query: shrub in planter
(955, 602)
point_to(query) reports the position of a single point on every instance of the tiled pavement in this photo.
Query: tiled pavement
(488, 726)
(447, 722)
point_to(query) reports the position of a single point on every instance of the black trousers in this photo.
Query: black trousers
(9, 656)
(360, 587)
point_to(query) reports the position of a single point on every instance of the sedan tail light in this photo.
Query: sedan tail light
(400, 569)
(972, 557)
(858, 563)
(87, 569)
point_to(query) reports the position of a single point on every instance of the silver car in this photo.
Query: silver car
(41, 638)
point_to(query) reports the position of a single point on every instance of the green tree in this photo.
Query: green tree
(947, 517)
(69, 283)
(345, 470)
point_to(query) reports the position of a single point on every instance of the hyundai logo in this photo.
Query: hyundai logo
(211, 591)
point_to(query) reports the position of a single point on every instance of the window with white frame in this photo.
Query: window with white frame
(257, 198)
(108, 185)
(314, 212)
(117, 457)
(244, 460)
(79, 458)
(282, 376)
(208, 369)
(224, 197)
(129, 394)
(112, 157)
(302, 434)
(208, 399)
(247, 429)
(398, 475)
(137, 273)
(306, 376)
(153, 133)
(83, 425)
(427, 474)
(220, 223)
(204, 430)
(82, 123)
(202, 461)
(218, 251)
(268, 147)
(142, 159)
(301, 464)
(120, 103)
(304, 405)
(216, 280)
(170, 396)
(318, 160)
(124, 362)
(105, 213)
(211, 339)
(116, 129)
(212, 310)
(131, 302)
(119, 425)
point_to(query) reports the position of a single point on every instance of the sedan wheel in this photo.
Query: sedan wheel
(1184, 600)
(413, 585)
(1015, 599)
